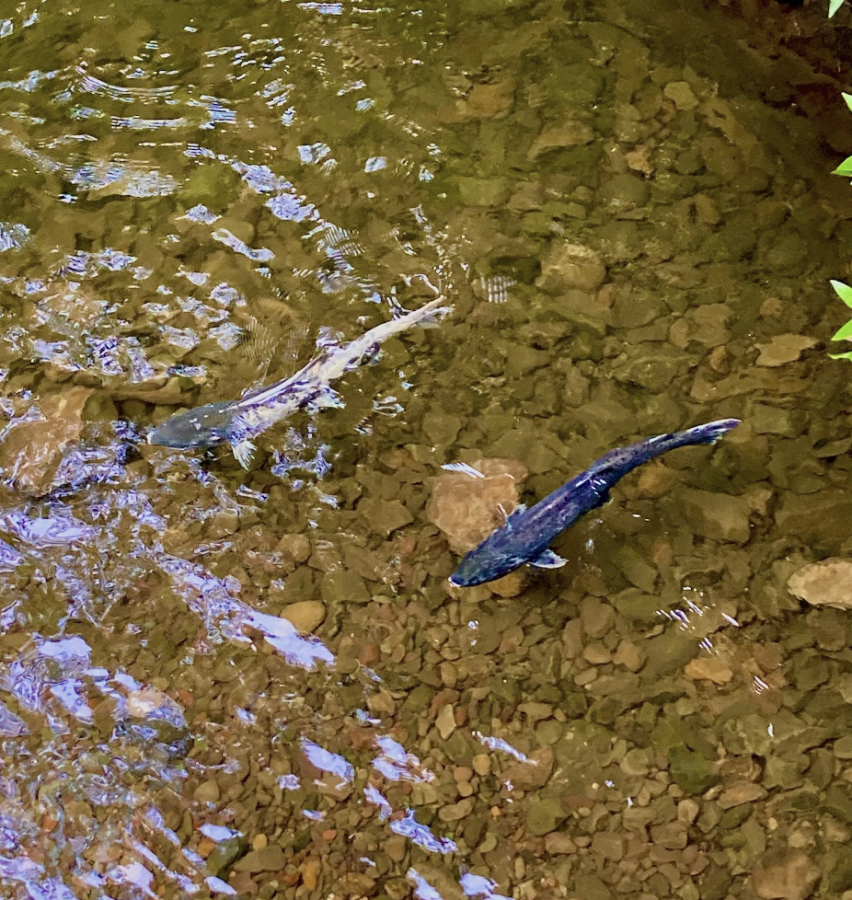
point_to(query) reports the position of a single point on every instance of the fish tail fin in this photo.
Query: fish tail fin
(427, 316)
(709, 432)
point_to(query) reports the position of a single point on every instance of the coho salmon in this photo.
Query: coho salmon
(239, 422)
(527, 533)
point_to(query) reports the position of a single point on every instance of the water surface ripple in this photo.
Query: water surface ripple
(218, 682)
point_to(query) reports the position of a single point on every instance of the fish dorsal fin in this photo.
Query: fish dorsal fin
(547, 559)
(515, 513)
(510, 519)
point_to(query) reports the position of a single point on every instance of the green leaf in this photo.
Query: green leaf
(847, 98)
(843, 291)
(845, 168)
(833, 6)
(841, 356)
(845, 333)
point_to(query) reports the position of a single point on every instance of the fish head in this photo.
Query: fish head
(486, 562)
(204, 426)
(470, 572)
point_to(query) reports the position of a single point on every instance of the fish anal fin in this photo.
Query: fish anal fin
(547, 559)
(243, 451)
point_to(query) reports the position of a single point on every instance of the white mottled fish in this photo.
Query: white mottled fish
(239, 422)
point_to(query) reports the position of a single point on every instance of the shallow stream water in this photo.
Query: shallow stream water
(220, 682)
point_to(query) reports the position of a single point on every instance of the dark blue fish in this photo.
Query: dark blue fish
(527, 533)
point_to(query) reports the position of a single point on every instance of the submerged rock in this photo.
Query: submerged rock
(305, 615)
(571, 266)
(488, 101)
(467, 509)
(785, 875)
(33, 447)
(532, 773)
(680, 93)
(691, 771)
(826, 583)
(544, 816)
(783, 349)
(385, 516)
(709, 668)
(822, 515)
(652, 366)
(268, 859)
(343, 586)
(557, 137)
(719, 517)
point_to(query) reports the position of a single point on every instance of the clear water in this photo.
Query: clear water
(194, 196)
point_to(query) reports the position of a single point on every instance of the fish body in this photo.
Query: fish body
(239, 422)
(527, 533)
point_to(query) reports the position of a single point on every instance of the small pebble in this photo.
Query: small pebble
(784, 873)
(207, 792)
(446, 722)
(311, 869)
(395, 848)
(489, 843)
(737, 794)
(572, 638)
(296, 546)
(598, 617)
(709, 668)
(687, 811)
(449, 674)
(597, 654)
(482, 764)
(628, 655)
(557, 843)
(305, 615)
(636, 762)
(369, 654)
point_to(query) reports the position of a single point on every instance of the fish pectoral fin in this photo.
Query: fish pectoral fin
(547, 559)
(243, 451)
(326, 398)
(464, 468)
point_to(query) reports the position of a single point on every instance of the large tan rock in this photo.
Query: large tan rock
(467, 508)
(785, 875)
(32, 449)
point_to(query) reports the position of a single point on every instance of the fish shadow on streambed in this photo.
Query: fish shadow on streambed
(526, 535)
